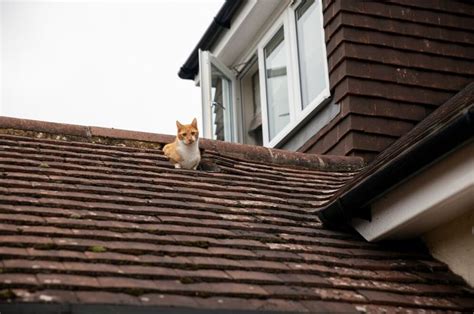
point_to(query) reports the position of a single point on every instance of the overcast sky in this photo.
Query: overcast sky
(102, 63)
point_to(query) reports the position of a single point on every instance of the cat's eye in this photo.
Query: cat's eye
(193, 133)
(183, 134)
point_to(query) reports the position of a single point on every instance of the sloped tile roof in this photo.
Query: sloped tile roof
(112, 222)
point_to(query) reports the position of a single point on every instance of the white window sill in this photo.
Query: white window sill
(296, 123)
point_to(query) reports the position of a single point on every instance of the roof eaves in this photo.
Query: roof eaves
(220, 23)
(413, 152)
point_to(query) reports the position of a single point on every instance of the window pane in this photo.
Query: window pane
(276, 84)
(310, 50)
(256, 93)
(221, 106)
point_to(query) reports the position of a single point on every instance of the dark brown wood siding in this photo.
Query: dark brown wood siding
(390, 64)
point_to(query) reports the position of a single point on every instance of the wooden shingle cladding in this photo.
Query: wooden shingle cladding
(390, 64)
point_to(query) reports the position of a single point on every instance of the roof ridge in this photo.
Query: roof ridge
(101, 135)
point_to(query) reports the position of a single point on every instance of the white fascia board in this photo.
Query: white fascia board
(246, 28)
(252, 20)
(434, 196)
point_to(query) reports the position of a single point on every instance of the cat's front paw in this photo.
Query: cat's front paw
(177, 166)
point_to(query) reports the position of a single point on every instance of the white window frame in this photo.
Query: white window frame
(287, 20)
(284, 17)
(231, 128)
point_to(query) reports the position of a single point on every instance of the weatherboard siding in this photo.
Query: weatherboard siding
(391, 64)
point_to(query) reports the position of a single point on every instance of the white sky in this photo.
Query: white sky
(101, 63)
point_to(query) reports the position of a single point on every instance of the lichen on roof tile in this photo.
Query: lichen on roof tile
(109, 224)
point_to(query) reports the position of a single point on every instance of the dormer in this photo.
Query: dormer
(329, 77)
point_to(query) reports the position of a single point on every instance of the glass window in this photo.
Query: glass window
(251, 103)
(256, 94)
(276, 84)
(221, 93)
(288, 70)
(310, 51)
(256, 124)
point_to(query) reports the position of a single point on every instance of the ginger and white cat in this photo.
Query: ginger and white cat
(184, 151)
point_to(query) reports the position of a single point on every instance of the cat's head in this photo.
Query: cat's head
(188, 133)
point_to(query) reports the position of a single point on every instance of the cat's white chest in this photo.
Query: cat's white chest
(190, 155)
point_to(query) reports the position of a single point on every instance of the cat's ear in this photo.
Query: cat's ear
(179, 125)
(194, 123)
